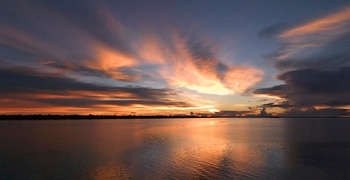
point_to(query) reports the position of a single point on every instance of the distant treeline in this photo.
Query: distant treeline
(86, 117)
(82, 117)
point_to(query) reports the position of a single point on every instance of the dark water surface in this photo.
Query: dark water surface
(220, 148)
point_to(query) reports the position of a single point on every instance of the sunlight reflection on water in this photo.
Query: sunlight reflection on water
(175, 148)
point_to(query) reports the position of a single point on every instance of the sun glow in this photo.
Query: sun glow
(213, 110)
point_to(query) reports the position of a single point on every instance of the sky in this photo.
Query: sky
(150, 57)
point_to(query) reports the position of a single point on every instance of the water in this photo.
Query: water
(221, 148)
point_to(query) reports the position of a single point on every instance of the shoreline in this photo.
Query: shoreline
(97, 117)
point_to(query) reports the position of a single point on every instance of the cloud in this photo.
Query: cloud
(273, 30)
(234, 113)
(314, 59)
(321, 43)
(312, 112)
(90, 57)
(331, 55)
(91, 39)
(62, 37)
(331, 24)
(310, 87)
(111, 62)
(194, 65)
(23, 86)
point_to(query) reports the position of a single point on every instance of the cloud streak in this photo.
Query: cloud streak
(314, 59)
(331, 24)
(193, 64)
(321, 43)
(311, 87)
(26, 88)
(63, 41)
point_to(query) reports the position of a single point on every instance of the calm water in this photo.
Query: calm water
(176, 149)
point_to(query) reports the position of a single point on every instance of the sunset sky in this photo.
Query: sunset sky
(175, 57)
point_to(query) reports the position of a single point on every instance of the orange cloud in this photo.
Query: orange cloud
(326, 24)
(239, 79)
(152, 50)
(309, 38)
(109, 61)
(176, 62)
(181, 68)
(113, 50)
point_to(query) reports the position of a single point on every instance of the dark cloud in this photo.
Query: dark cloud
(132, 74)
(313, 87)
(275, 90)
(24, 78)
(321, 44)
(312, 112)
(70, 34)
(306, 89)
(309, 111)
(33, 86)
(263, 100)
(332, 55)
(66, 19)
(284, 105)
(95, 18)
(273, 30)
(86, 102)
(314, 59)
(203, 54)
(222, 68)
(233, 113)
(200, 50)
(95, 38)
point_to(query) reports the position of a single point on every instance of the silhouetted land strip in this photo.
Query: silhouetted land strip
(86, 117)
(77, 117)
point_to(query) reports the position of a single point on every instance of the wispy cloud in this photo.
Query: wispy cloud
(310, 87)
(320, 43)
(314, 60)
(331, 24)
(87, 56)
(105, 46)
(48, 93)
(194, 64)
